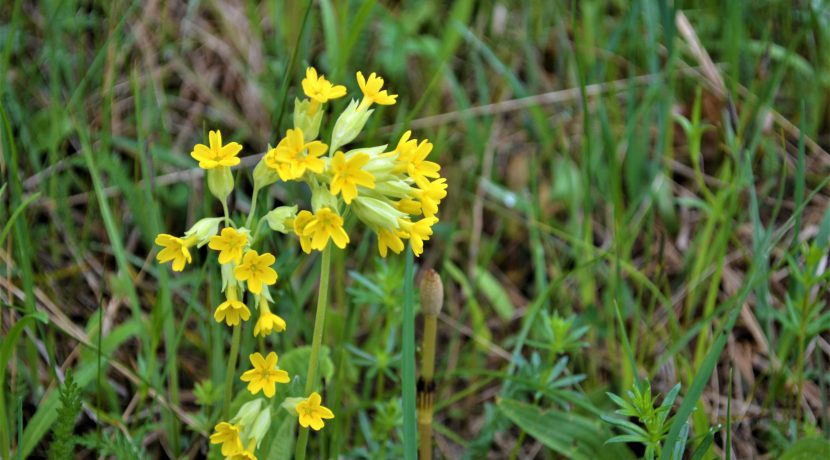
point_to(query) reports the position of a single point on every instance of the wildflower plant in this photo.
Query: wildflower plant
(393, 192)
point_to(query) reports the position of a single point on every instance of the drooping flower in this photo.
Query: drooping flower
(418, 232)
(288, 159)
(216, 154)
(323, 225)
(227, 434)
(312, 413)
(389, 239)
(348, 174)
(256, 270)
(300, 222)
(175, 249)
(265, 375)
(232, 310)
(372, 93)
(267, 322)
(409, 206)
(230, 243)
(319, 89)
(430, 194)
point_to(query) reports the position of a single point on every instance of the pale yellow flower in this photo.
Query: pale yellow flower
(389, 239)
(312, 412)
(418, 232)
(230, 243)
(265, 375)
(318, 89)
(323, 225)
(216, 154)
(175, 249)
(227, 434)
(348, 175)
(256, 270)
(292, 157)
(372, 92)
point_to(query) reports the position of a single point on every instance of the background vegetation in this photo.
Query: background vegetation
(638, 199)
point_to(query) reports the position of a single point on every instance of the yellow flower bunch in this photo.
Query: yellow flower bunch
(394, 192)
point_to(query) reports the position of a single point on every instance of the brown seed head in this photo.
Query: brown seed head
(432, 292)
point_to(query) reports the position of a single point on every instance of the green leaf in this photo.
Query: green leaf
(295, 362)
(807, 449)
(495, 293)
(571, 435)
(281, 436)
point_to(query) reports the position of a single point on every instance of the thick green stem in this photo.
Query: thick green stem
(410, 441)
(227, 214)
(316, 342)
(231, 371)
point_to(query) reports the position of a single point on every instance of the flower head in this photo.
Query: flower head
(256, 270)
(348, 174)
(288, 157)
(323, 225)
(319, 89)
(216, 155)
(230, 243)
(231, 311)
(265, 375)
(418, 232)
(267, 322)
(227, 434)
(312, 413)
(175, 249)
(372, 92)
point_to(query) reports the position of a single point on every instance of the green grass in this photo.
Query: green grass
(612, 219)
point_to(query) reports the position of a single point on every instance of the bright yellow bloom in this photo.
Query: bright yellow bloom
(409, 206)
(323, 225)
(312, 413)
(348, 174)
(267, 322)
(256, 270)
(412, 158)
(318, 89)
(216, 155)
(265, 375)
(228, 435)
(175, 249)
(372, 92)
(418, 232)
(288, 159)
(389, 239)
(230, 244)
(243, 455)
(430, 194)
(231, 310)
(300, 222)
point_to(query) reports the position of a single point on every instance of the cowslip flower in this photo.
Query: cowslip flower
(265, 375)
(300, 222)
(231, 311)
(418, 232)
(175, 249)
(348, 174)
(372, 93)
(227, 434)
(412, 159)
(230, 243)
(256, 270)
(312, 413)
(267, 322)
(325, 224)
(389, 239)
(288, 160)
(319, 89)
(216, 154)
(430, 195)
(243, 455)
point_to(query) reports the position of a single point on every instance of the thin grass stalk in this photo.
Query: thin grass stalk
(226, 409)
(410, 442)
(316, 341)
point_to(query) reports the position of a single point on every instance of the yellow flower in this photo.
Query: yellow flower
(348, 175)
(265, 375)
(430, 194)
(372, 92)
(175, 249)
(287, 157)
(243, 455)
(267, 322)
(300, 222)
(312, 413)
(256, 270)
(389, 239)
(323, 225)
(412, 158)
(318, 89)
(418, 232)
(409, 206)
(230, 244)
(231, 310)
(216, 155)
(228, 435)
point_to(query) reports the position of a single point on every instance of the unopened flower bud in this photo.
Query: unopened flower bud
(278, 218)
(204, 229)
(263, 174)
(261, 425)
(308, 122)
(248, 413)
(376, 213)
(348, 125)
(432, 292)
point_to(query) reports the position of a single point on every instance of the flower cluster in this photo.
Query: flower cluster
(394, 192)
